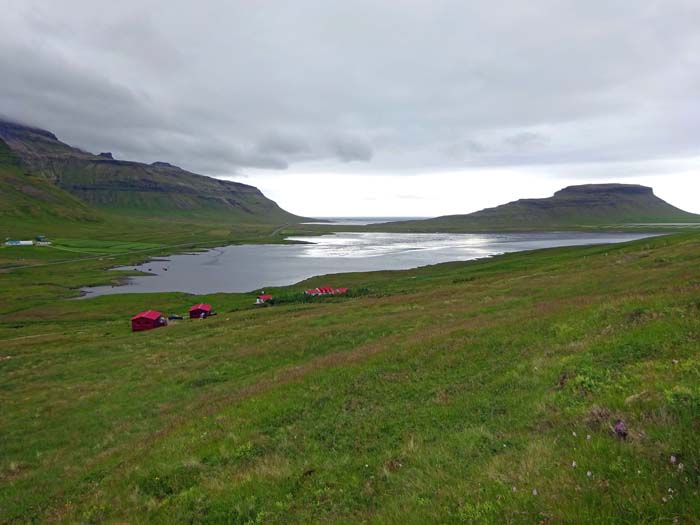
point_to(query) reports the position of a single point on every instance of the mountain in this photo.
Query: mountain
(32, 199)
(588, 205)
(118, 186)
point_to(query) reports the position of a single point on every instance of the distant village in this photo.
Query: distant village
(150, 319)
(39, 240)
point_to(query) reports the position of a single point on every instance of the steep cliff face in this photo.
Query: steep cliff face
(598, 190)
(147, 189)
(27, 198)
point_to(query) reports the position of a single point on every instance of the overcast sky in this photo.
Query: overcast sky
(377, 107)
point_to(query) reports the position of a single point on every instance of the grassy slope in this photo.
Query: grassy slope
(28, 203)
(448, 394)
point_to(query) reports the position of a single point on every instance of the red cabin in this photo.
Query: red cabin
(147, 320)
(264, 298)
(199, 311)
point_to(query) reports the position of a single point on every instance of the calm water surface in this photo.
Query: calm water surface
(361, 221)
(250, 267)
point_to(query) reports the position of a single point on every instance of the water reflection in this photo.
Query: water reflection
(250, 267)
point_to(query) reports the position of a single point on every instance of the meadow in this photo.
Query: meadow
(479, 392)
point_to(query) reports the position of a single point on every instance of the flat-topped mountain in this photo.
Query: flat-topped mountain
(136, 188)
(589, 204)
(572, 207)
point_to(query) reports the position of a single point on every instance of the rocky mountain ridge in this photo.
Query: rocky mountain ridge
(133, 187)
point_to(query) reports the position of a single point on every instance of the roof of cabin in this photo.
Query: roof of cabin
(148, 314)
(201, 306)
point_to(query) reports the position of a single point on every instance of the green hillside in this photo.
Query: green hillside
(590, 205)
(136, 189)
(484, 392)
(28, 202)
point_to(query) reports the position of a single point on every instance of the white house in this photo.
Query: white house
(19, 243)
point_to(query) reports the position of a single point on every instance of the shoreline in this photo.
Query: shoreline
(297, 276)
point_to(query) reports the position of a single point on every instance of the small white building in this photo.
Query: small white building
(11, 242)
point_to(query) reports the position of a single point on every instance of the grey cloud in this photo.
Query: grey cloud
(136, 36)
(526, 139)
(350, 149)
(464, 149)
(284, 144)
(400, 87)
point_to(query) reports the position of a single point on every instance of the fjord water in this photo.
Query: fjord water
(245, 268)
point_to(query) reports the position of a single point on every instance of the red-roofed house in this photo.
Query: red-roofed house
(147, 320)
(264, 298)
(199, 311)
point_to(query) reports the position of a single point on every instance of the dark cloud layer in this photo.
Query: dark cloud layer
(389, 86)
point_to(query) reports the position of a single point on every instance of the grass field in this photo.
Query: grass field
(482, 392)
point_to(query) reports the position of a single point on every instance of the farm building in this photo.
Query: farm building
(326, 290)
(147, 320)
(11, 242)
(264, 298)
(199, 311)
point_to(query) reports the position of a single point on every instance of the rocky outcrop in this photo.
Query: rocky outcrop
(9, 130)
(159, 164)
(600, 189)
